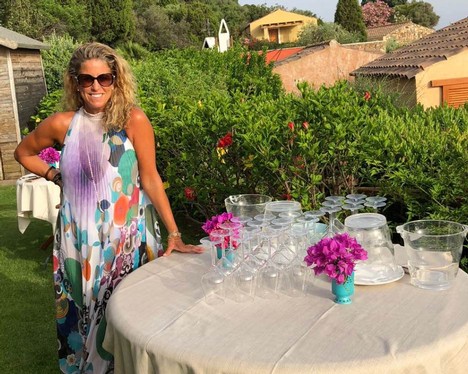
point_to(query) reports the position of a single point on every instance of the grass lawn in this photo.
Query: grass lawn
(27, 318)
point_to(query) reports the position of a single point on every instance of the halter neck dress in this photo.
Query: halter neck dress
(102, 236)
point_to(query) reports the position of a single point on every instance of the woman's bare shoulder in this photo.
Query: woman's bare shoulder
(137, 123)
(57, 125)
(137, 116)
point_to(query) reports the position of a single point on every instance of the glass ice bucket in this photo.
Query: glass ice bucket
(248, 205)
(372, 232)
(434, 249)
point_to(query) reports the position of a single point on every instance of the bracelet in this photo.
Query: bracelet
(48, 171)
(174, 234)
(57, 179)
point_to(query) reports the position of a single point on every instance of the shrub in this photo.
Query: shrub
(56, 59)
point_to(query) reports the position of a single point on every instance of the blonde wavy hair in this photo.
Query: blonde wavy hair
(117, 112)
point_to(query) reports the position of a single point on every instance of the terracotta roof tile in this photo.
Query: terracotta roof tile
(410, 60)
(276, 55)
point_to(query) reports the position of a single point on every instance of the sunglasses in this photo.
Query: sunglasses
(86, 80)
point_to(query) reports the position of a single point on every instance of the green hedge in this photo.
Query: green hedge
(332, 141)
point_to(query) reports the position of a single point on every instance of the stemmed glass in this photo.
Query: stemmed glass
(269, 272)
(337, 200)
(213, 281)
(376, 202)
(312, 233)
(331, 207)
(219, 242)
(354, 202)
(234, 229)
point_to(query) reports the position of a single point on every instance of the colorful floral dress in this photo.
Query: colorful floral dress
(101, 237)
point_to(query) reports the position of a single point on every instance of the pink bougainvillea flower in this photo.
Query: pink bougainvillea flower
(49, 155)
(367, 96)
(335, 256)
(214, 224)
(189, 193)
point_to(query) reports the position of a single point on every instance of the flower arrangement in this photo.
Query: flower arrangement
(215, 223)
(49, 155)
(335, 256)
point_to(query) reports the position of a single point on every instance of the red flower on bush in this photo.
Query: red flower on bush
(291, 126)
(305, 125)
(225, 141)
(189, 193)
(286, 196)
(367, 96)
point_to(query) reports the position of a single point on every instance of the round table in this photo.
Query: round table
(36, 198)
(158, 322)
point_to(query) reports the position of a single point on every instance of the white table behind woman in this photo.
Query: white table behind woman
(36, 198)
(158, 322)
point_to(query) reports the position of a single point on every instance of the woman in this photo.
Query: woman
(108, 170)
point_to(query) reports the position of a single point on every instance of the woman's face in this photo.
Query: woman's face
(96, 96)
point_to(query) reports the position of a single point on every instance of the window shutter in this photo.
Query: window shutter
(454, 91)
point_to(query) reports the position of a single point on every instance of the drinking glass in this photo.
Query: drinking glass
(287, 208)
(213, 286)
(335, 199)
(234, 229)
(375, 202)
(220, 241)
(331, 211)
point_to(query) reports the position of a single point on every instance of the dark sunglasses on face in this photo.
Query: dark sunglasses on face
(86, 80)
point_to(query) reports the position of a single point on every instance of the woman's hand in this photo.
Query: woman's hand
(176, 244)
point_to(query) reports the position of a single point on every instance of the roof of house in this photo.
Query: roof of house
(14, 40)
(276, 55)
(285, 18)
(378, 32)
(412, 59)
(304, 51)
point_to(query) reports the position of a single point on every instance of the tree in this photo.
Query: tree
(376, 13)
(390, 3)
(349, 15)
(112, 20)
(418, 12)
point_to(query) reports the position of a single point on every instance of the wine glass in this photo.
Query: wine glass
(287, 208)
(234, 229)
(375, 202)
(213, 281)
(269, 273)
(213, 286)
(314, 235)
(220, 241)
(331, 211)
(353, 206)
(338, 200)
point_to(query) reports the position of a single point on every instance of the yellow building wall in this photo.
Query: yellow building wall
(286, 33)
(454, 67)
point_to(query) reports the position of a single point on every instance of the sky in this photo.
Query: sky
(449, 11)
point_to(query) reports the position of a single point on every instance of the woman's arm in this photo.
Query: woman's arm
(49, 132)
(140, 133)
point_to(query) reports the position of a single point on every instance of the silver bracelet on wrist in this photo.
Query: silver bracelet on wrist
(174, 234)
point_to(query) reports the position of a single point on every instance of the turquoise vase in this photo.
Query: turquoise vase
(344, 291)
(229, 253)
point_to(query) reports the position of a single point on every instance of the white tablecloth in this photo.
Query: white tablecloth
(158, 322)
(36, 198)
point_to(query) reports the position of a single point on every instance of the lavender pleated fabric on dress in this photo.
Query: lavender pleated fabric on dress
(101, 237)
